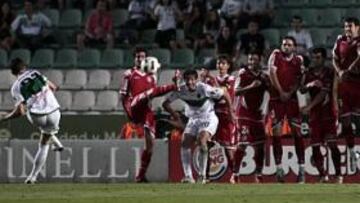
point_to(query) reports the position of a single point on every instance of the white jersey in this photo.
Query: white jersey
(199, 103)
(31, 89)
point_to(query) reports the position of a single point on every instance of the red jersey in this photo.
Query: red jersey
(345, 51)
(288, 71)
(226, 82)
(326, 77)
(136, 82)
(249, 106)
(101, 21)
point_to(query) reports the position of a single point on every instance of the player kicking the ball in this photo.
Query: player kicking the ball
(137, 90)
(33, 95)
(202, 124)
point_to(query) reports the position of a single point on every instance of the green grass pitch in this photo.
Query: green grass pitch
(181, 193)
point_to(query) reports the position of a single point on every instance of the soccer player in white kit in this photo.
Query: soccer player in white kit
(202, 124)
(33, 95)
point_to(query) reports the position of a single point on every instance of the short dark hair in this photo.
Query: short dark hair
(16, 65)
(290, 38)
(255, 52)
(320, 50)
(139, 49)
(353, 20)
(225, 57)
(190, 72)
(297, 17)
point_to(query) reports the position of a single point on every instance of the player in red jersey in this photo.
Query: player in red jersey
(138, 88)
(250, 90)
(226, 131)
(318, 81)
(346, 61)
(285, 75)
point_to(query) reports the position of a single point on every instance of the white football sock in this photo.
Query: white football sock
(39, 160)
(203, 159)
(56, 141)
(186, 161)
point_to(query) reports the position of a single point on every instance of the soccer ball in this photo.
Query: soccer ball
(150, 65)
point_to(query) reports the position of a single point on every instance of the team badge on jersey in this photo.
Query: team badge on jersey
(218, 162)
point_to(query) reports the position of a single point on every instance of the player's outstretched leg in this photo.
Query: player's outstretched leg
(56, 144)
(39, 159)
(145, 156)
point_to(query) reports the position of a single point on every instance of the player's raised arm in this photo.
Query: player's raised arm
(336, 58)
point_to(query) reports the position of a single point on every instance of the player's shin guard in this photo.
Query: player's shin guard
(318, 160)
(300, 149)
(39, 161)
(145, 161)
(203, 160)
(186, 162)
(277, 149)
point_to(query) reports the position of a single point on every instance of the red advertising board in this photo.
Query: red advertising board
(219, 171)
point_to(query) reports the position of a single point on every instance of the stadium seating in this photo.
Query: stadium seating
(182, 58)
(342, 3)
(66, 58)
(70, 18)
(165, 77)
(83, 101)
(75, 79)
(164, 55)
(116, 78)
(55, 76)
(65, 99)
(98, 79)
(112, 58)
(43, 58)
(205, 55)
(128, 58)
(24, 54)
(293, 3)
(6, 79)
(331, 17)
(320, 36)
(106, 101)
(7, 102)
(88, 58)
(319, 3)
(53, 15)
(120, 16)
(3, 58)
(272, 36)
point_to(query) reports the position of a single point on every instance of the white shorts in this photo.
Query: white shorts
(196, 125)
(47, 123)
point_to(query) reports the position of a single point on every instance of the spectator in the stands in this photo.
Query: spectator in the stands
(6, 17)
(261, 10)
(30, 27)
(232, 12)
(166, 13)
(193, 21)
(302, 36)
(226, 42)
(139, 15)
(212, 22)
(204, 41)
(98, 28)
(250, 41)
